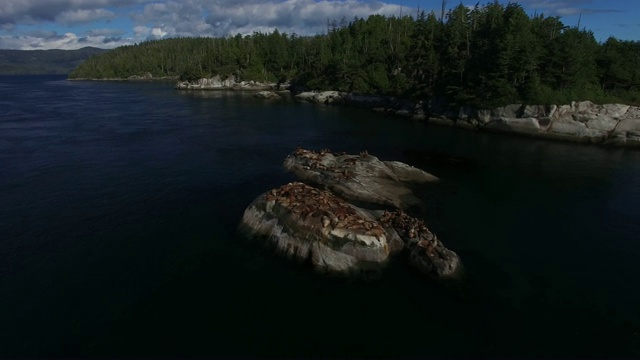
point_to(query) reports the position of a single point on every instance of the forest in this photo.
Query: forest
(489, 55)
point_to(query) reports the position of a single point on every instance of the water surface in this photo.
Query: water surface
(119, 204)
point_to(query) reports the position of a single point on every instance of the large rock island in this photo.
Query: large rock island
(313, 225)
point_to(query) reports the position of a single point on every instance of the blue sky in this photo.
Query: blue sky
(72, 24)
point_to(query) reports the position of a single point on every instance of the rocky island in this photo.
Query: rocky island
(314, 225)
(362, 177)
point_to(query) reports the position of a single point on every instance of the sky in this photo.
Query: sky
(73, 24)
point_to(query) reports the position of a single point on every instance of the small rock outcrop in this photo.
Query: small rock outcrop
(267, 95)
(426, 252)
(322, 97)
(362, 178)
(305, 223)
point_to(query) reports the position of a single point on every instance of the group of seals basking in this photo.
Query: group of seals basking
(314, 224)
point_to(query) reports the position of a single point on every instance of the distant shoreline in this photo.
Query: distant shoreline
(130, 78)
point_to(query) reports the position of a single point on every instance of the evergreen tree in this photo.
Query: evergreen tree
(485, 56)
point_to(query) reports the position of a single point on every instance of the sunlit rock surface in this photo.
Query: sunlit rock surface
(363, 178)
(312, 225)
(224, 83)
(322, 97)
(306, 223)
(320, 227)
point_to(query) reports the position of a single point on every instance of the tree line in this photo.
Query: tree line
(489, 55)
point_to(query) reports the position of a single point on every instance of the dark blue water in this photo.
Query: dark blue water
(119, 204)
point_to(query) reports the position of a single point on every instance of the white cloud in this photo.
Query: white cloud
(36, 11)
(224, 17)
(42, 40)
(154, 19)
(158, 32)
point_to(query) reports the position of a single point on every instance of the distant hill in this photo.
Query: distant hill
(34, 62)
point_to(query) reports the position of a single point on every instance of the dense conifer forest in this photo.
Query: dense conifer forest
(486, 56)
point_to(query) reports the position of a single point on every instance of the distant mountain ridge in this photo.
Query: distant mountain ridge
(37, 62)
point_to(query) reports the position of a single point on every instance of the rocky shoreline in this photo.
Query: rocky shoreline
(315, 225)
(228, 83)
(145, 77)
(581, 122)
(584, 121)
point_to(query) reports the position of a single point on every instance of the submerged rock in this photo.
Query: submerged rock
(361, 177)
(306, 223)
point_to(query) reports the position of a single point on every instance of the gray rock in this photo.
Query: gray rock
(509, 111)
(426, 252)
(305, 223)
(268, 95)
(529, 126)
(323, 97)
(407, 173)
(602, 123)
(306, 96)
(328, 97)
(614, 110)
(325, 259)
(628, 125)
(223, 83)
(627, 133)
(575, 131)
(440, 262)
(562, 112)
(539, 111)
(483, 116)
(584, 107)
(361, 178)
(632, 113)
(584, 117)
